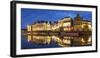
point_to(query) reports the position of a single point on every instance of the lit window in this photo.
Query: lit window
(67, 24)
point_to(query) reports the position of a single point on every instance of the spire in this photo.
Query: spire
(78, 17)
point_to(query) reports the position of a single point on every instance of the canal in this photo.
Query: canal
(31, 41)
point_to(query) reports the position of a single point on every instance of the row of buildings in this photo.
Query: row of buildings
(65, 24)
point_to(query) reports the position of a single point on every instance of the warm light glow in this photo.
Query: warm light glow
(90, 27)
(55, 27)
(67, 41)
(65, 19)
(28, 27)
(82, 40)
(66, 24)
(83, 25)
(89, 40)
(29, 38)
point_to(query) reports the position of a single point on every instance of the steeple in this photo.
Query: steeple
(78, 17)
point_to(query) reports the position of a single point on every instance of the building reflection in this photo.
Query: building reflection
(64, 41)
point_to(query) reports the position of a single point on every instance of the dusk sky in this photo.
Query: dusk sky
(29, 16)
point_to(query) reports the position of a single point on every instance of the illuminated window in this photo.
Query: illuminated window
(67, 24)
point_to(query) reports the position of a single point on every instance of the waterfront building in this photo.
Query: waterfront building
(39, 26)
(29, 27)
(88, 24)
(80, 24)
(65, 24)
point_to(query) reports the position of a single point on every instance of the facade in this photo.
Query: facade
(78, 23)
(88, 24)
(29, 28)
(81, 25)
(43, 26)
(65, 24)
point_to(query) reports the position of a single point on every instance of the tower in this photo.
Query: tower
(78, 17)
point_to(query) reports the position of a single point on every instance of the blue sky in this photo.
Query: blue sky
(29, 16)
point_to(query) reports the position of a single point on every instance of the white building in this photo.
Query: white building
(66, 23)
(39, 27)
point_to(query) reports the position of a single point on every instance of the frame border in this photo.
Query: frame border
(13, 27)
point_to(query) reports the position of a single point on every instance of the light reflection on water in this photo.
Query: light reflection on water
(56, 41)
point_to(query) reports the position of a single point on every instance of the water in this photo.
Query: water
(56, 42)
(30, 45)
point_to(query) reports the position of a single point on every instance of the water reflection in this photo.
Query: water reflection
(63, 41)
